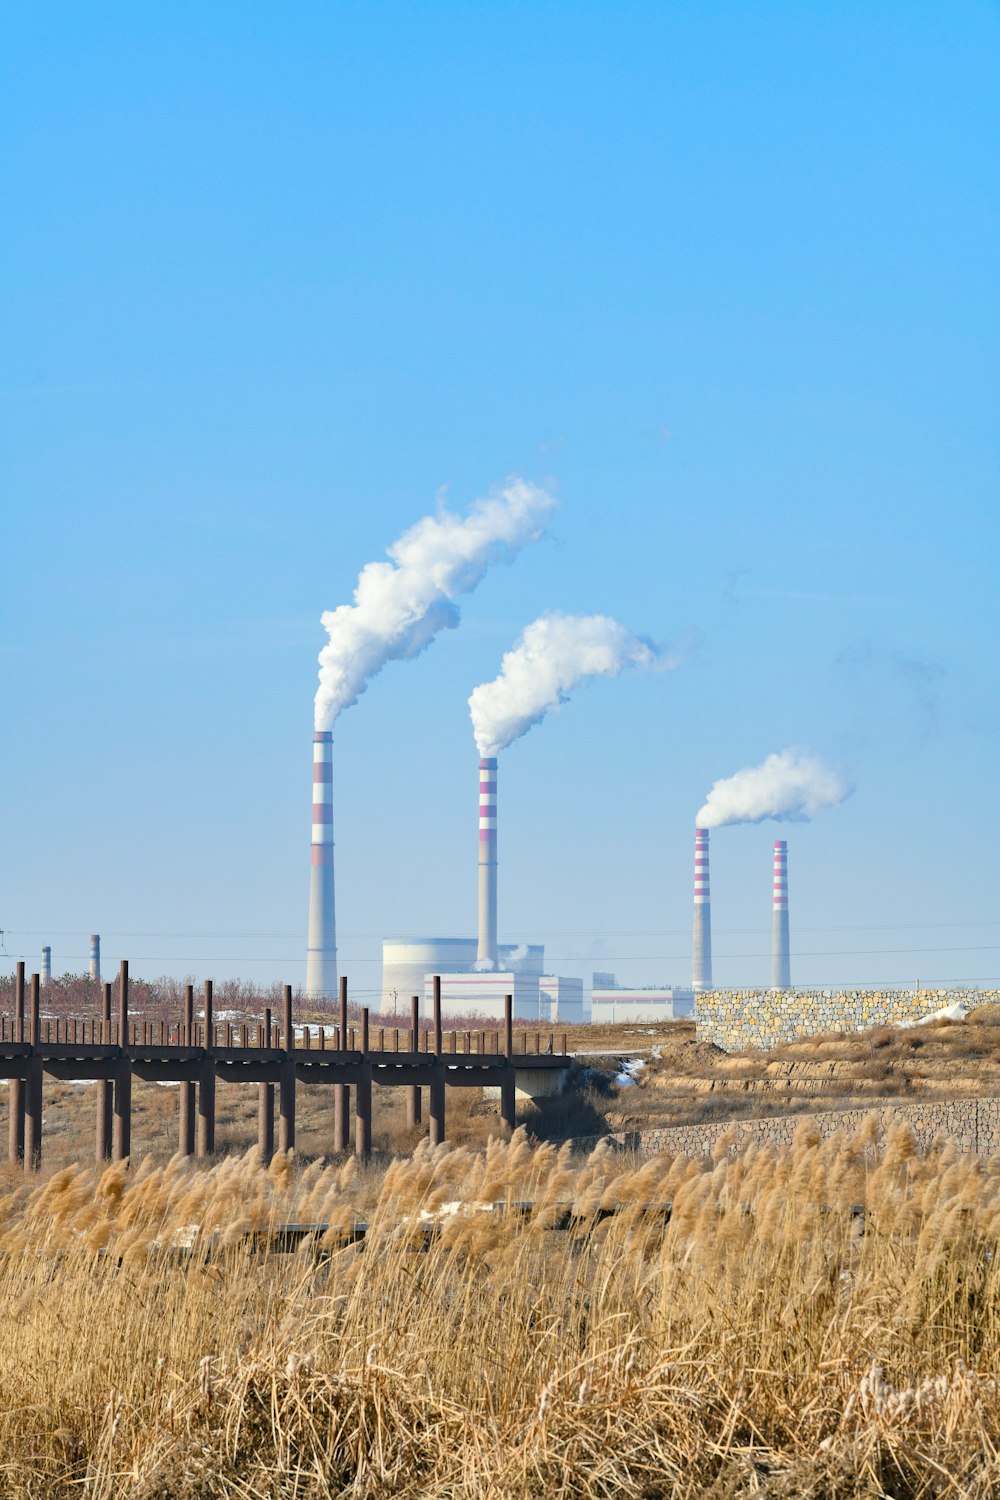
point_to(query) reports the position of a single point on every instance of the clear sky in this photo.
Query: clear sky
(275, 277)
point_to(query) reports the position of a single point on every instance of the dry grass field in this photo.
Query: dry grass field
(685, 1080)
(816, 1321)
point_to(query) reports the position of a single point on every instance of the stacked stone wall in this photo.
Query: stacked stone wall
(974, 1125)
(738, 1019)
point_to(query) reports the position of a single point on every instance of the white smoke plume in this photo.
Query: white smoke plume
(399, 606)
(553, 654)
(789, 787)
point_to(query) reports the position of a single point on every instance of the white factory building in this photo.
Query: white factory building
(612, 1003)
(467, 989)
(561, 999)
(408, 962)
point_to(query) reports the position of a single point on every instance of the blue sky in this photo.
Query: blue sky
(274, 278)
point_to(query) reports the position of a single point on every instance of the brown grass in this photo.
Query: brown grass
(768, 1341)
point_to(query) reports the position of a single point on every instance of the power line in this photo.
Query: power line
(553, 932)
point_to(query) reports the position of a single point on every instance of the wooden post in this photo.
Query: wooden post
(286, 1088)
(413, 1110)
(103, 1142)
(508, 1092)
(288, 1020)
(205, 1142)
(265, 1101)
(363, 1097)
(186, 1101)
(437, 1089)
(33, 1086)
(265, 1121)
(15, 1089)
(508, 1098)
(121, 1134)
(341, 1092)
(437, 1111)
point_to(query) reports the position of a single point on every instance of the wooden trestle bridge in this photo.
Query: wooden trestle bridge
(276, 1055)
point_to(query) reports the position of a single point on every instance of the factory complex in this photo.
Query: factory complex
(478, 973)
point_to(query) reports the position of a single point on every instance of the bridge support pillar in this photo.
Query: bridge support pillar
(286, 1108)
(121, 1125)
(33, 1115)
(104, 1122)
(105, 1099)
(437, 1107)
(363, 1115)
(15, 1123)
(187, 1110)
(15, 1089)
(205, 1142)
(341, 1117)
(265, 1121)
(186, 1100)
(508, 1100)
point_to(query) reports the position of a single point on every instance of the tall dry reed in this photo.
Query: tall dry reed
(817, 1321)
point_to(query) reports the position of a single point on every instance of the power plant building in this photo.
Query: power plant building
(640, 1003)
(406, 963)
(560, 999)
(483, 995)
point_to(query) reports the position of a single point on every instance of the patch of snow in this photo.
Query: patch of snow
(627, 1076)
(956, 1012)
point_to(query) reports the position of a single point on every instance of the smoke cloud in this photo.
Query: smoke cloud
(789, 787)
(553, 654)
(401, 605)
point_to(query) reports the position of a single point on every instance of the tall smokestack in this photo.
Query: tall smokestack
(95, 957)
(780, 957)
(487, 952)
(46, 966)
(701, 960)
(321, 953)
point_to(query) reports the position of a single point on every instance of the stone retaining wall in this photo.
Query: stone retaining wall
(738, 1019)
(973, 1123)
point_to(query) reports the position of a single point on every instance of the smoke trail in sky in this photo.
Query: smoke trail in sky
(400, 605)
(553, 654)
(789, 787)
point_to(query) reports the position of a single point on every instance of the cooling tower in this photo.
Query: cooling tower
(487, 948)
(46, 966)
(95, 958)
(321, 953)
(780, 958)
(701, 958)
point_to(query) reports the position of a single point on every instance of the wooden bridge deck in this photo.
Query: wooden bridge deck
(275, 1056)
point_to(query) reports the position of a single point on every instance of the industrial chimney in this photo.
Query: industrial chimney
(780, 957)
(46, 976)
(487, 951)
(321, 953)
(95, 957)
(701, 961)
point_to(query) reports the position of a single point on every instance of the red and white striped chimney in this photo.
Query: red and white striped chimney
(701, 959)
(487, 948)
(780, 954)
(321, 952)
